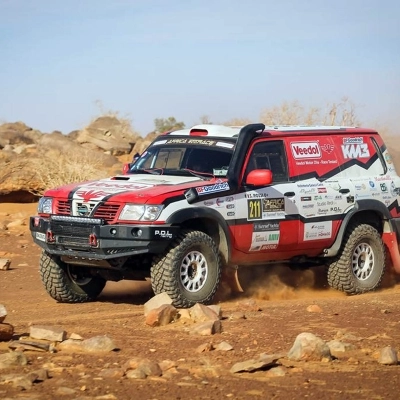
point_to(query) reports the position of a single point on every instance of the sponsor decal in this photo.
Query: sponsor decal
(204, 142)
(317, 230)
(268, 247)
(335, 209)
(305, 198)
(322, 190)
(230, 199)
(219, 202)
(255, 195)
(361, 186)
(302, 150)
(327, 148)
(265, 234)
(338, 197)
(218, 187)
(355, 148)
(371, 184)
(308, 185)
(322, 211)
(230, 206)
(307, 206)
(224, 144)
(318, 197)
(384, 187)
(388, 158)
(321, 203)
(230, 213)
(208, 203)
(165, 234)
(394, 191)
(265, 208)
(83, 210)
(308, 191)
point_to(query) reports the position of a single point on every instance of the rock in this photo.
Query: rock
(31, 345)
(205, 347)
(337, 347)
(217, 309)
(92, 345)
(237, 315)
(166, 365)
(156, 301)
(307, 346)
(4, 264)
(162, 315)
(206, 328)
(202, 313)
(65, 391)
(262, 362)
(276, 372)
(11, 359)
(184, 314)
(314, 308)
(136, 374)
(6, 332)
(51, 333)
(388, 356)
(22, 382)
(223, 346)
(114, 373)
(3, 313)
(148, 367)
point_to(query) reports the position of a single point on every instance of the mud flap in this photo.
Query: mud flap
(390, 240)
(231, 278)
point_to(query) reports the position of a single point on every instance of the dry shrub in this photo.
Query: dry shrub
(342, 113)
(56, 169)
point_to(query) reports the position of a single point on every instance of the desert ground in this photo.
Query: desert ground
(276, 306)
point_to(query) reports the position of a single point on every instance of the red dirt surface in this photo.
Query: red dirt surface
(282, 295)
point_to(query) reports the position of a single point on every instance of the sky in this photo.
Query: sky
(62, 63)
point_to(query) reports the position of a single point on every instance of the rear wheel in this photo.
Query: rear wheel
(190, 271)
(68, 283)
(360, 265)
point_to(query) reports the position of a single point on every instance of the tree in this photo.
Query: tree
(167, 124)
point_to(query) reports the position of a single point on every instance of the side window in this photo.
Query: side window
(269, 155)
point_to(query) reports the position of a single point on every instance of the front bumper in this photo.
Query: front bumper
(92, 238)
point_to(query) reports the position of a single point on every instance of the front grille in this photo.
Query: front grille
(63, 207)
(107, 212)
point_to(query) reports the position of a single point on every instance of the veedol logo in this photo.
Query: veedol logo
(353, 140)
(305, 150)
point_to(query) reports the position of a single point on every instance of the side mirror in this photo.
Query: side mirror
(259, 177)
(125, 169)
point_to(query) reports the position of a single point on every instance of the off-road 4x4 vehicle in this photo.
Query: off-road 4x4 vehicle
(200, 202)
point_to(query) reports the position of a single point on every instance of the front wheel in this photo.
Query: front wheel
(67, 283)
(190, 271)
(360, 265)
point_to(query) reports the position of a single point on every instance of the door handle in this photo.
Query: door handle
(289, 194)
(344, 191)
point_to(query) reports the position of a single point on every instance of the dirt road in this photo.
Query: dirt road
(370, 322)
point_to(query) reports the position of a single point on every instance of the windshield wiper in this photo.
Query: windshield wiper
(153, 171)
(205, 176)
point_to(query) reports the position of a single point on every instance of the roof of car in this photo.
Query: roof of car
(270, 130)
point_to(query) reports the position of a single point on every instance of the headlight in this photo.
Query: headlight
(45, 205)
(133, 212)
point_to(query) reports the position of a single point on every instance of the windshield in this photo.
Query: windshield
(186, 156)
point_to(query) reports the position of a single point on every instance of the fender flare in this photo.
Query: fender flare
(186, 214)
(360, 205)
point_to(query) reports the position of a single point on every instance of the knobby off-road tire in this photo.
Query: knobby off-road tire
(360, 265)
(190, 271)
(66, 283)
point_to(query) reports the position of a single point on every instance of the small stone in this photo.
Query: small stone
(202, 313)
(6, 332)
(75, 336)
(51, 333)
(114, 373)
(206, 328)
(337, 347)
(92, 345)
(223, 346)
(205, 347)
(307, 346)
(63, 391)
(314, 308)
(156, 301)
(237, 315)
(3, 313)
(262, 362)
(166, 365)
(12, 358)
(150, 368)
(136, 374)
(276, 372)
(388, 356)
(162, 315)
(4, 264)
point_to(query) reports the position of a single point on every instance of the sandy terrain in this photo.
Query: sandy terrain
(370, 321)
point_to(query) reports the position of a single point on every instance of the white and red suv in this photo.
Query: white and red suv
(200, 202)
